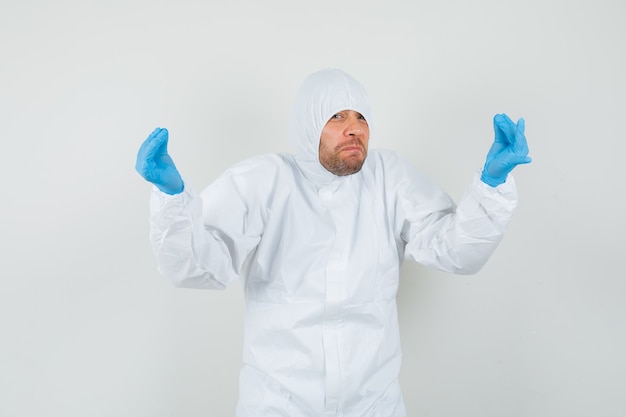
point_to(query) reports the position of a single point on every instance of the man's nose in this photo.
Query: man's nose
(353, 128)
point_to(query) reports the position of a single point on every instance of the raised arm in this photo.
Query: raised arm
(460, 239)
(191, 249)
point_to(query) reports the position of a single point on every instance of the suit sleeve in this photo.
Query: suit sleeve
(204, 240)
(439, 234)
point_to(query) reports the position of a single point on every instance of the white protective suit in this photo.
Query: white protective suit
(319, 257)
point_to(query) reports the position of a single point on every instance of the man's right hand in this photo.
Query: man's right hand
(155, 164)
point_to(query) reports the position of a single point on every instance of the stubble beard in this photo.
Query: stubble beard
(342, 165)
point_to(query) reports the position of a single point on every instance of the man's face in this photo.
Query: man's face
(343, 143)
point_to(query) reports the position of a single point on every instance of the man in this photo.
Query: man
(318, 239)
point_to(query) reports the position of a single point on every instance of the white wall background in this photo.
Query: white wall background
(89, 328)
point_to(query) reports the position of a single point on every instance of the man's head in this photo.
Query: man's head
(330, 124)
(343, 143)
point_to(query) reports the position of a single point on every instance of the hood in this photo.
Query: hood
(321, 95)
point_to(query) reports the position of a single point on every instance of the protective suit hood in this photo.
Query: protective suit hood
(322, 94)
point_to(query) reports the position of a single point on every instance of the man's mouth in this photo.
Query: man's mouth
(352, 147)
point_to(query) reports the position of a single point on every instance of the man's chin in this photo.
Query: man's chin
(351, 165)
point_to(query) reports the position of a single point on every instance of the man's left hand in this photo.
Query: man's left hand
(509, 149)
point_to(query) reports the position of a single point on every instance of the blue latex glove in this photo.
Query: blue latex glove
(155, 164)
(509, 150)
